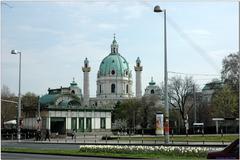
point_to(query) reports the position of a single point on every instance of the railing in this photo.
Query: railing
(220, 139)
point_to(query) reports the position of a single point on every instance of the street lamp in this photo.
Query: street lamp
(19, 96)
(166, 123)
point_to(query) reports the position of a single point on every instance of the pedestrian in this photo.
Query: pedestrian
(73, 133)
(35, 135)
(47, 135)
(38, 135)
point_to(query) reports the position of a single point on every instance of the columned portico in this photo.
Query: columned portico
(91, 120)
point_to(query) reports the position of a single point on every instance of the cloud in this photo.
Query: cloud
(220, 54)
(134, 11)
(53, 66)
(198, 32)
(107, 26)
(28, 28)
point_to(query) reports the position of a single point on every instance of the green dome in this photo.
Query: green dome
(48, 99)
(114, 64)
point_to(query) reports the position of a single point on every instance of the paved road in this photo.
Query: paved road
(23, 156)
(40, 145)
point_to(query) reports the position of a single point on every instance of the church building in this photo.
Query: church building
(66, 108)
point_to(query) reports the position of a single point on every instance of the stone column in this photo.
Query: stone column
(138, 69)
(86, 69)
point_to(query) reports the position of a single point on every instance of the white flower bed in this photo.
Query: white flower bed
(173, 150)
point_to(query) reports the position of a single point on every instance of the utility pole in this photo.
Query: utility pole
(194, 99)
(239, 49)
(39, 106)
(166, 122)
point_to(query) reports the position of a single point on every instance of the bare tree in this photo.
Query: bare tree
(147, 113)
(5, 92)
(230, 70)
(137, 113)
(180, 94)
(8, 109)
(30, 104)
(120, 124)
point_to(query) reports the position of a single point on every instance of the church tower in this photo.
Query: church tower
(86, 69)
(138, 69)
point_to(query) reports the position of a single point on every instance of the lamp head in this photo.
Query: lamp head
(157, 9)
(14, 52)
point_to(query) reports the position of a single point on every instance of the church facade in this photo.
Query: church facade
(67, 109)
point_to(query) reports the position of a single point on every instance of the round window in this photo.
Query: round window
(113, 72)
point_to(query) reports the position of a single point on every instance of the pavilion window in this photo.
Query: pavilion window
(103, 123)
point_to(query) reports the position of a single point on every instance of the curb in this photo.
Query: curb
(73, 155)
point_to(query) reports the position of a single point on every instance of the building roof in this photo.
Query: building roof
(48, 99)
(53, 95)
(213, 85)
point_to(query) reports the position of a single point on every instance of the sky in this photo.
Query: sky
(54, 37)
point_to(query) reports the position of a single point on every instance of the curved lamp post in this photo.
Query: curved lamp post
(19, 96)
(166, 122)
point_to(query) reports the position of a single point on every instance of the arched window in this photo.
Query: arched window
(100, 88)
(127, 88)
(113, 88)
(73, 92)
(152, 91)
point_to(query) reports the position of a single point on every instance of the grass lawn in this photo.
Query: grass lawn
(77, 152)
(183, 138)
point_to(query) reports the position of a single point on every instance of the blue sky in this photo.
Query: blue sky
(55, 37)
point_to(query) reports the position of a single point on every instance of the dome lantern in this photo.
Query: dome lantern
(152, 82)
(114, 46)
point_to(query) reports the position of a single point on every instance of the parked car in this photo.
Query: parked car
(230, 152)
